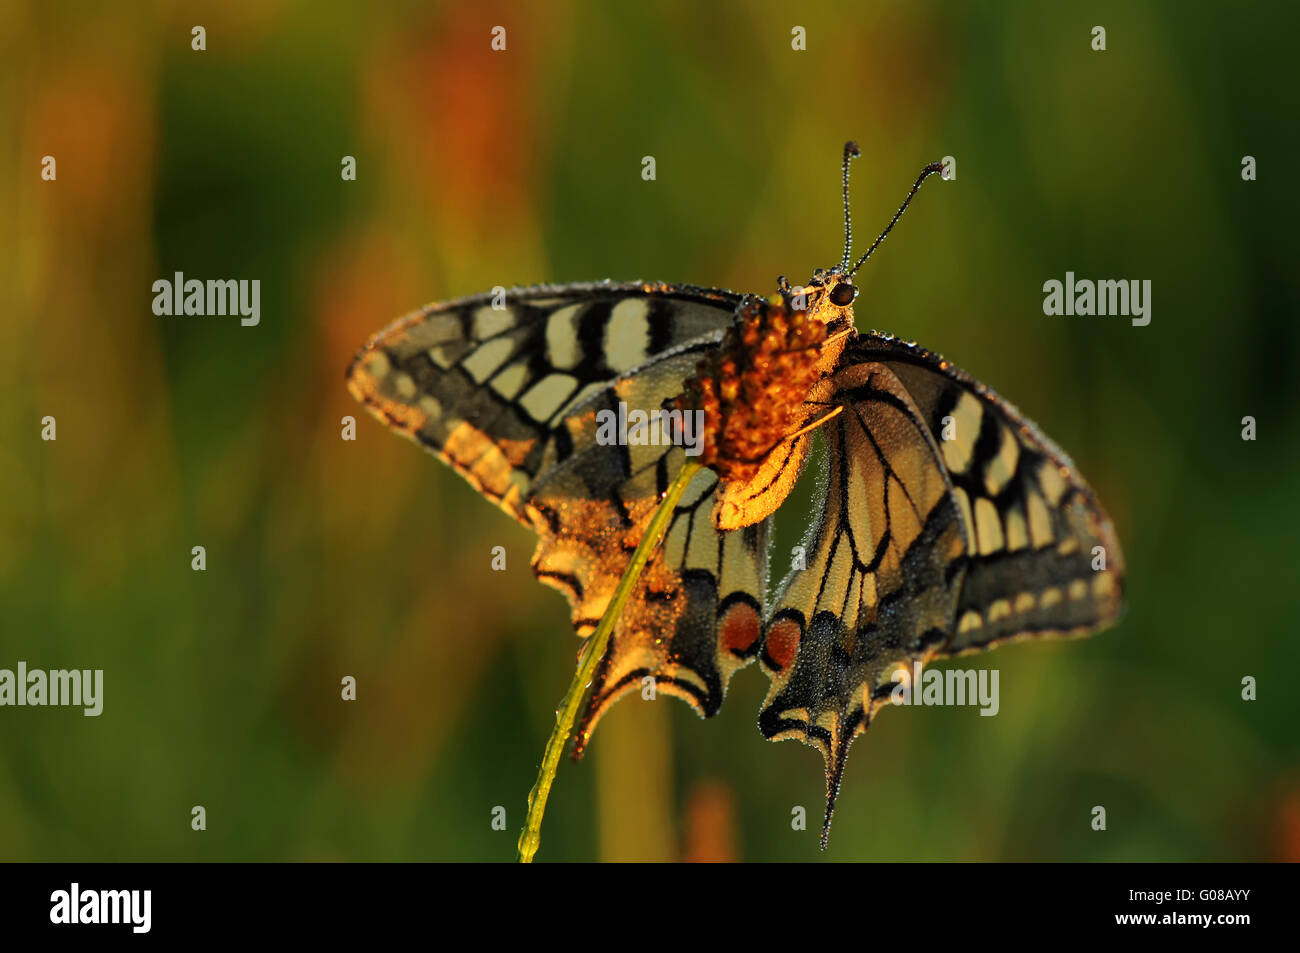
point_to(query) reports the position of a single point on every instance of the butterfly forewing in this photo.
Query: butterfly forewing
(485, 382)
(1044, 559)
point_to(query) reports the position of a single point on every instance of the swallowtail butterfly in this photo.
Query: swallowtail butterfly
(947, 523)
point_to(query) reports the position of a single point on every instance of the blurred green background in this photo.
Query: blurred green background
(477, 168)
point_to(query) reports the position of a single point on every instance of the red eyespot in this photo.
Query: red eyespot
(740, 628)
(783, 643)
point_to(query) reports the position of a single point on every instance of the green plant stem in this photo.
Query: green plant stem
(567, 713)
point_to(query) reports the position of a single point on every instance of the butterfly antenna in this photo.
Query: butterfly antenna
(850, 150)
(928, 171)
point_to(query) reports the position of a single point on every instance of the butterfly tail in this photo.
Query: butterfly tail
(834, 775)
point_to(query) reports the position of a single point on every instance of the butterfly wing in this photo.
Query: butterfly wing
(932, 540)
(1044, 559)
(695, 616)
(884, 567)
(485, 382)
(510, 398)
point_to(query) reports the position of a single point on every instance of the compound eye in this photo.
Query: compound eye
(843, 294)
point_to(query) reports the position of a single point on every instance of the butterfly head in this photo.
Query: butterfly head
(828, 296)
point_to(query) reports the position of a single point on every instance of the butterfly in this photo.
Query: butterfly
(946, 522)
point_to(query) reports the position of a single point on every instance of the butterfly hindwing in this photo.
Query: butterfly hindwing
(883, 572)
(695, 616)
